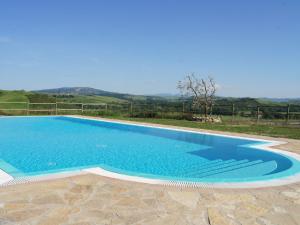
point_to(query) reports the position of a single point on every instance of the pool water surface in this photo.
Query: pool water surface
(41, 145)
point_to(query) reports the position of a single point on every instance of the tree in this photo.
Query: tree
(201, 90)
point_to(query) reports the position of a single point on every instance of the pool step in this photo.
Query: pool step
(223, 168)
(209, 164)
(216, 166)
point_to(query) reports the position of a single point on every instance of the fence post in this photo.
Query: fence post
(55, 108)
(81, 108)
(288, 113)
(257, 114)
(233, 109)
(27, 109)
(131, 109)
(106, 108)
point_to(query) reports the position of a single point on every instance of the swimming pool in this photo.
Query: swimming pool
(32, 146)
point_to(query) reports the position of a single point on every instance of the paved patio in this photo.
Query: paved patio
(91, 199)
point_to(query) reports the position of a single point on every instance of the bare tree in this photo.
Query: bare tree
(201, 90)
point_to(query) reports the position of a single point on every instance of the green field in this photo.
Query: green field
(266, 130)
(13, 96)
(23, 96)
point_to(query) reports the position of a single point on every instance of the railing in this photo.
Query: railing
(234, 113)
(54, 107)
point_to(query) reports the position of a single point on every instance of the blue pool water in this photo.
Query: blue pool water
(40, 145)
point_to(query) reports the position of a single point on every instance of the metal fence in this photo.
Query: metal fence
(230, 113)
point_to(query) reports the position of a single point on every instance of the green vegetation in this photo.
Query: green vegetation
(40, 98)
(34, 97)
(267, 130)
(86, 91)
(89, 99)
(7, 99)
(13, 96)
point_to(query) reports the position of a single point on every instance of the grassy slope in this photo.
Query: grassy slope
(92, 99)
(22, 96)
(13, 96)
(273, 131)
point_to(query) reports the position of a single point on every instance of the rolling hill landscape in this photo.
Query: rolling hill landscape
(92, 95)
(107, 96)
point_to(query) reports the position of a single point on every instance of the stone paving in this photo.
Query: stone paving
(92, 200)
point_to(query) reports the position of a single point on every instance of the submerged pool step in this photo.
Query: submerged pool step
(221, 164)
(206, 166)
(234, 167)
(226, 167)
(213, 163)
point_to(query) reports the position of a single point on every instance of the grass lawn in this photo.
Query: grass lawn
(267, 130)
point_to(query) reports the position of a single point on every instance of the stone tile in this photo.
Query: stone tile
(48, 199)
(291, 194)
(189, 199)
(57, 216)
(20, 216)
(215, 217)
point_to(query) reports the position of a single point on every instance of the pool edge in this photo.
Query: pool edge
(5, 177)
(181, 184)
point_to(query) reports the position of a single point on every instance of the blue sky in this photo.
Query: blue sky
(252, 48)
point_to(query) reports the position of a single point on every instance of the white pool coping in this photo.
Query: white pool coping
(6, 179)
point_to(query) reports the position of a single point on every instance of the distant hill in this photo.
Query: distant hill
(92, 95)
(39, 97)
(87, 91)
(169, 95)
(282, 100)
(82, 91)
